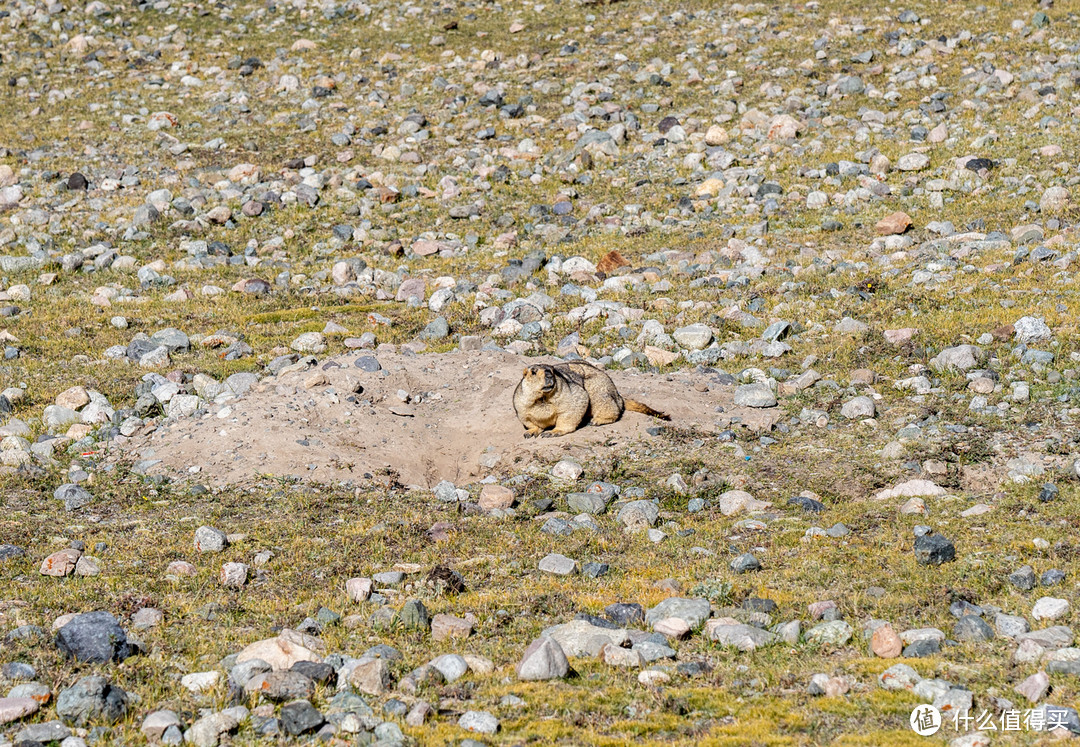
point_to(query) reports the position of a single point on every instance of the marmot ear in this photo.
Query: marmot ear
(525, 372)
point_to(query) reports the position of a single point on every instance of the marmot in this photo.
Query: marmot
(563, 396)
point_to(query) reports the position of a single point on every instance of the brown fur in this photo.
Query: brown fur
(556, 399)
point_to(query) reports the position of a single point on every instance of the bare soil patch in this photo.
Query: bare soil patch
(458, 423)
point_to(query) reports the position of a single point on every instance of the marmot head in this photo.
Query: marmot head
(540, 378)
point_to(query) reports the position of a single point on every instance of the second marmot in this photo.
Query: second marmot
(556, 399)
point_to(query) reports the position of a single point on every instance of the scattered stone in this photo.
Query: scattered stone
(543, 660)
(89, 700)
(93, 637)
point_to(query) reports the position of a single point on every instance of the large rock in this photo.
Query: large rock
(581, 638)
(480, 722)
(13, 709)
(960, 357)
(60, 563)
(895, 223)
(543, 660)
(300, 717)
(733, 502)
(209, 539)
(207, 731)
(73, 496)
(451, 666)
(558, 565)
(90, 700)
(755, 395)
(858, 408)
(283, 651)
(1049, 608)
(1031, 329)
(155, 723)
(309, 342)
(693, 611)
(171, 338)
(972, 628)
(93, 637)
(910, 489)
(1054, 200)
(371, 676)
(832, 633)
(281, 686)
(741, 636)
(445, 627)
(638, 514)
(913, 162)
(934, 549)
(693, 337)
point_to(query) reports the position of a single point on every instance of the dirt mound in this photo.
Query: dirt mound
(423, 418)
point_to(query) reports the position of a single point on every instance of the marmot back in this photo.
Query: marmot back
(556, 399)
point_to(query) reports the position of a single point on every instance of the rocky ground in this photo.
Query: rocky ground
(268, 274)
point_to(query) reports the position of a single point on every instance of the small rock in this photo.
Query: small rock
(933, 549)
(480, 722)
(893, 224)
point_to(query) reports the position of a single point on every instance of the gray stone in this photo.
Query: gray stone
(933, 549)
(281, 686)
(73, 496)
(559, 565)
(480, 722)
(972, 628)
(741, 636)
(172, 339)
(899, 677)
(300, 717)
(208, 730)
(755, 395)
(93, 637)
(544, 659)
(693, 337)
(587, 503)
(246, 670)
(1023, 578)
(745, 563)
(415, 615)
(14, 671)
(693, 611)
(582, 638)
(1011, 626)
(776, 331)
(858, 408)
(638, 514)
(833, 633)
(436, 329)
(450, 666)
(1031, 329)
(45, 732)
(156, 723)
(209, 539)
(91, 699)
(961, 357)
